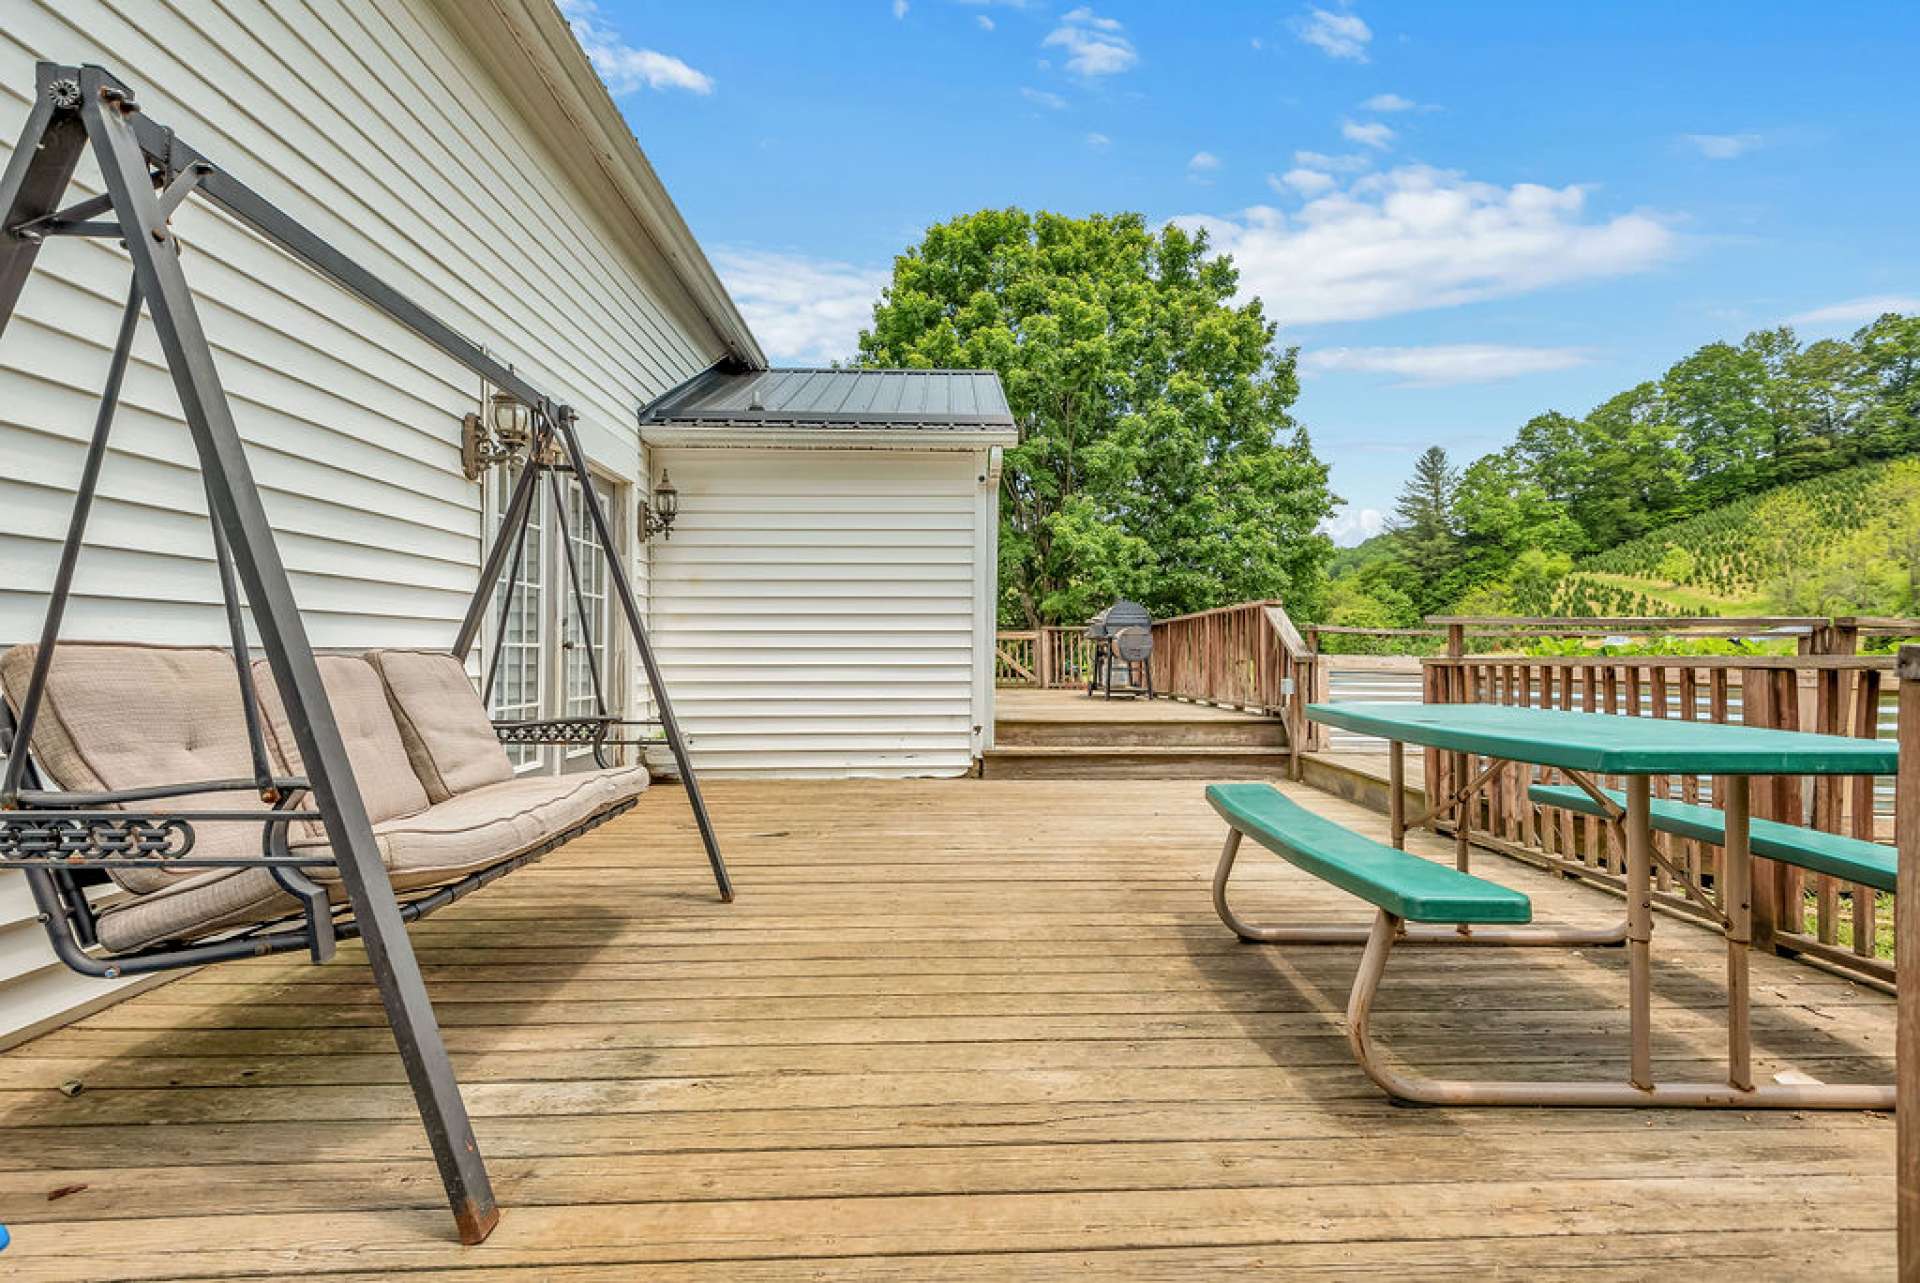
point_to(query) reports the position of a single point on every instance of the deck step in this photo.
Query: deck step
(1179, 762)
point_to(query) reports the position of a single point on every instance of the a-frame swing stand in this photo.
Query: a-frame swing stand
(147, 174)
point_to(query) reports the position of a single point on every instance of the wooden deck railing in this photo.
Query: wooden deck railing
(1247, 656)
(1052, 658)
(1835, 694)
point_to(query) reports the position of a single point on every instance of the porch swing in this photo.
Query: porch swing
(255, 806)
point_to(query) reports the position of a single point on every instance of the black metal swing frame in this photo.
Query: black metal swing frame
(55, 837)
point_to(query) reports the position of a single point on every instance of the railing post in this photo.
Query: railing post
(1043, 658)
(1907, 961)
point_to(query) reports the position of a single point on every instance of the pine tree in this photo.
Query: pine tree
(1425, 529)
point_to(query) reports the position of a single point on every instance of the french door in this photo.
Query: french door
(549, 664)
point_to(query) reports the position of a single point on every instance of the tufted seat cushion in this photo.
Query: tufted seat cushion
(441, 794)
(449, 737)
(485, 825)
(381, 765)
(118, 716)
(428, 849)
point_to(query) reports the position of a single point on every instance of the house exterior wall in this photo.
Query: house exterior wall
(397, 131)
(818, 612)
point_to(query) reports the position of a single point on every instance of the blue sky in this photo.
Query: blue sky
(1463, 214)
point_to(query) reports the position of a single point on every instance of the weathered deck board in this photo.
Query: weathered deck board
(968, 1029)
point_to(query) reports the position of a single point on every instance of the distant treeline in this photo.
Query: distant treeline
(1727, 422)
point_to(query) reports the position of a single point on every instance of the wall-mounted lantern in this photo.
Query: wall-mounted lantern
(657, 518)
(501, 435)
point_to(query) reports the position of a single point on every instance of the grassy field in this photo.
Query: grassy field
(1687, 599)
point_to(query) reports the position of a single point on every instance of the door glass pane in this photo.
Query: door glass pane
(586, 656)
(517, 691)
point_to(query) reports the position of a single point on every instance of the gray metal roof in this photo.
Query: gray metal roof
(931, 399)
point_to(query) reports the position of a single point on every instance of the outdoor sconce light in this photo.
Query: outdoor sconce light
(657, 518)
(500, 436)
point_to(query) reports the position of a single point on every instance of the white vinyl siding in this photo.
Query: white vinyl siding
(815, 610)
(377, 127)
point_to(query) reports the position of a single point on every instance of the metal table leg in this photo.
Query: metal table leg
(1397, 792)
(1640, 927)
(1737, 903)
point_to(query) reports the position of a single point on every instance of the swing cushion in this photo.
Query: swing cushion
(422, 851)
(486, 825)
(449, 737)
(120, 716)
(381, 765)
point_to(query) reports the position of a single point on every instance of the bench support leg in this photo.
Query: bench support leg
(1602, 1095)
(1315, 933)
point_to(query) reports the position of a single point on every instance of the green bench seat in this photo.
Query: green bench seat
(1849, 859)
(1390, 879)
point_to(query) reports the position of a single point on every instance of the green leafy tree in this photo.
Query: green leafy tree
(1157, 455)
(1635, 468)
(1713, 398)
(1888, 386)
(1501, 512)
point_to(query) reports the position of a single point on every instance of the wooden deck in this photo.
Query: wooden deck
(958, 1030)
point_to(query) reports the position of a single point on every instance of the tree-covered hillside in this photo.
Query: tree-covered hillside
(1843, 544)
(1744, 479)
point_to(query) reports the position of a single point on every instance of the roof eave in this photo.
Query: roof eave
(825, 437)
(539, 28)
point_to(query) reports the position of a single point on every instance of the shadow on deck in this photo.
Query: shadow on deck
(968, 1029)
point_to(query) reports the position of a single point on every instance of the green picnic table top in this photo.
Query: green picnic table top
(1612, 743)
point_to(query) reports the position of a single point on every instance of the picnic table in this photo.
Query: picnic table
(1583, 746)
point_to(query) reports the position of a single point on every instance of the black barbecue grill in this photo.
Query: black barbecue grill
(1122, 637)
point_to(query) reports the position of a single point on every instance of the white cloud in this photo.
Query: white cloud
(1098, 140)
(899, 8)
(1351, 163)
(1355, 525)
(1338, 35)
(1388, 102)
(1307, 182)
(1095, 46)
(1723, 146)
(1444, 363)
(1371, 134)
(1858, 311)
(1203, 162)
(803, 309)
(1040, 97)
(986, 23)
(622, 66)
(1417, 238)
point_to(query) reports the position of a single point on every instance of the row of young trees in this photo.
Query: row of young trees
(1728, 421)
